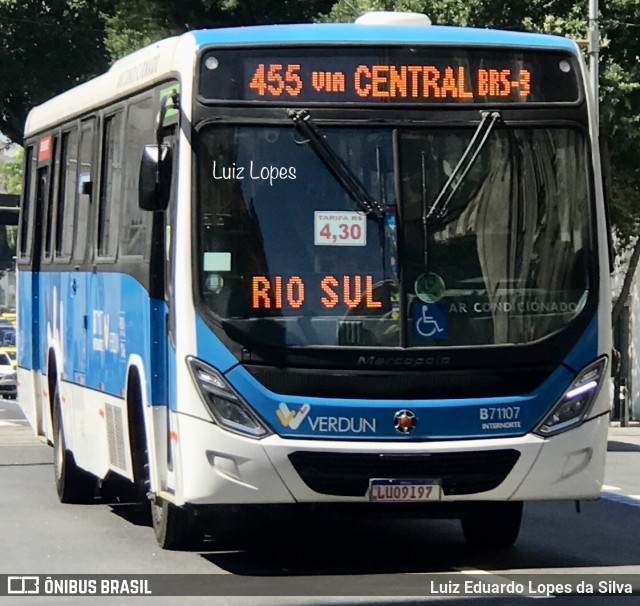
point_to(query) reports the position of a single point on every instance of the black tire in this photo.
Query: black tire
(137, 436)
(73, 484)
(174, 526)
(493, 525)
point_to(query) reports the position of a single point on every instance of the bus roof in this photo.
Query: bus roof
(158, 61)
(377, 34)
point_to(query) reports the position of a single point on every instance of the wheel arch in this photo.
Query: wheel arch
(140, 422)
(54, 377)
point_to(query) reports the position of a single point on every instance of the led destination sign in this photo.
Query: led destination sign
(393, 82)
(400, 75)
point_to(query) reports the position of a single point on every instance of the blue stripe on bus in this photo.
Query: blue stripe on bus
(437, 418)
(586, 349)
(100, 320)
(374, 34)
(211, 350)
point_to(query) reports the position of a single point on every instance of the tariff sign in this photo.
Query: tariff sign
(338, 228)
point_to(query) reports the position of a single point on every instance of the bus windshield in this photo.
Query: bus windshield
(285, 258)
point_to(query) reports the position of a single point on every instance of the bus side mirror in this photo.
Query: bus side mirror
(154, 184)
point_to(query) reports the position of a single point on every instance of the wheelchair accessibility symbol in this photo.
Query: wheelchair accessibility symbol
(429, 321)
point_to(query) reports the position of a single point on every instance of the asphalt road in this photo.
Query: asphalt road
(316, 561)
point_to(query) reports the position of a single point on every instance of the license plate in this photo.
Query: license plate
(382, 490)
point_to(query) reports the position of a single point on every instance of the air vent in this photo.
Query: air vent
(115, 437)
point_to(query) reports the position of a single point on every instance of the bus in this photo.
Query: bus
(357, 267)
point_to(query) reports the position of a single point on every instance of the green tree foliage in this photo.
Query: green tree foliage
(450, 12)
(46, 46)
(11, 176)
(11, 173)
(133, 23)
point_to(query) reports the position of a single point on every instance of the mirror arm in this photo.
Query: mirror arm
(174, 97)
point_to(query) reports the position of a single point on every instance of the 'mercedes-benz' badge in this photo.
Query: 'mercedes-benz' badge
(404, 421)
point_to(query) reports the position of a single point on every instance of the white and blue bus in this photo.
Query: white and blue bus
(361, 266)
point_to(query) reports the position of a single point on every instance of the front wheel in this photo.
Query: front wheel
(493, 525)
(174, 526)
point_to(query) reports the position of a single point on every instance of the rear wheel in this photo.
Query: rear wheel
(73, 484)
(493, 525)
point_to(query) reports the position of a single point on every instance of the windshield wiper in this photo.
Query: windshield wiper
(335, 164)
(438, 210)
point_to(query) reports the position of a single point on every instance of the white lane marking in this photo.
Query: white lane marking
(8, 424)
(633, 500)
(606, 487)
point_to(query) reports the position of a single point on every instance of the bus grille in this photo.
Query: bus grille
(398, 384)
(348, 474)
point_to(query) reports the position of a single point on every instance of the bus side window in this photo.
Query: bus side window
(42, 196)
(51, 198)
(134, 222)
(85, 182)
(26, 205)
(110, 185)
(65, 215)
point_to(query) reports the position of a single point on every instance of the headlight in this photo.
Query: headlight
(227, 408)
(575, 403)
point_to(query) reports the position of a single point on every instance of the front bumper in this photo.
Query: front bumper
(218, 467)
